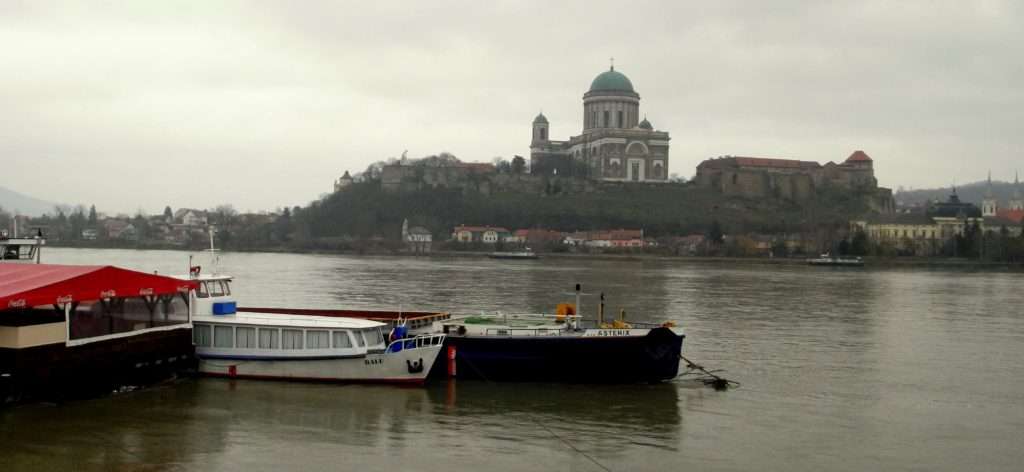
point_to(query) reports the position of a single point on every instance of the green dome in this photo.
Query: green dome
(611, 80)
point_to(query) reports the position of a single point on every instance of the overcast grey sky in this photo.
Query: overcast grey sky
(261, 104)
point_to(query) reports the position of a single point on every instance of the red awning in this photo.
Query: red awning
(28, 285)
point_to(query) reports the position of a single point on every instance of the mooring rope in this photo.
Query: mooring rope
(709, 377)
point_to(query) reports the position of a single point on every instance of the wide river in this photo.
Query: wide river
(896, 369)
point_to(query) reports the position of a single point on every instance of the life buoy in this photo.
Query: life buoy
(563, 310)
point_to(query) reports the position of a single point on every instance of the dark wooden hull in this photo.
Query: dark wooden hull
(56, 372)
(650, 358)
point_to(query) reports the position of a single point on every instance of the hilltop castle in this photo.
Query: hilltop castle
(615, 145)
(756, 177)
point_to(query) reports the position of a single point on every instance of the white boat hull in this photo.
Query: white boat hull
(409, 366)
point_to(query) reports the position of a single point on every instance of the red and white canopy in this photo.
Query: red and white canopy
(29, 285)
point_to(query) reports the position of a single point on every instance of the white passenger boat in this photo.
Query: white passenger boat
(281, 345)
(840, 261)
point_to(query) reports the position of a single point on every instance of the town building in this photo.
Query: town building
(417, 238)
(190, 217)
(1013, 212)
(342, 182)
(615, 145)
(926, 234)
(616, 238)
(480, 234)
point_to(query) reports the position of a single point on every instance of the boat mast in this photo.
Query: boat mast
(579, 307)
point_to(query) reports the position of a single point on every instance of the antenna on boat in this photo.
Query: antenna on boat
(214, 258)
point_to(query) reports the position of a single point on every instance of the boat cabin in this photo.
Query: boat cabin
(20, 249)
(221, 330)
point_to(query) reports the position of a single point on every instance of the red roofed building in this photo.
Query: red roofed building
(1015, 216)
(479, 234)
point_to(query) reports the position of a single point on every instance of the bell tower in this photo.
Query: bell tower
(1017, 203)
(988, 205)
(540, 129)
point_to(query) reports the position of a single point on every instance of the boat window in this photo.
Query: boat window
(246, 338)
(360, 341)
(317, 339)
(341, 339)
(201, 291)
(268, 338)
(223, 336)
(291, 339)
(201, 335)
(227, 286)
(215, 288)
(374, 337)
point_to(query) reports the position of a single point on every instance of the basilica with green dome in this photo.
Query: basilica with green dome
(615, 144)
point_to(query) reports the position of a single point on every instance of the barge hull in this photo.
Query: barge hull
(575, 359)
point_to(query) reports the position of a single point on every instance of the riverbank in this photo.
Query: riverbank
(870, 261)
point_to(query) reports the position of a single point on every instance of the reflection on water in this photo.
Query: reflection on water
(841, 370)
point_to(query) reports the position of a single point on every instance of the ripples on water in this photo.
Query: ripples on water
(841, 370)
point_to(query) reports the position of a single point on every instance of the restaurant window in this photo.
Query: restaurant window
(341, 339)
(171, 309)
(246, 338)
(224, 336)
(291, 339)
(268, 338)
(116, 315)
(318, 339)
(201, 335)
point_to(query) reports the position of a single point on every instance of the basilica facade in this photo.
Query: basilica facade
(615, 145)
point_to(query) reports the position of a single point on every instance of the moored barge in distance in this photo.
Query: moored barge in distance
(834, 261)
(13, 249)
(525, 254)
(73, 331)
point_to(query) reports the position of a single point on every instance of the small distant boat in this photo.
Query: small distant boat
(524, 254)
(829, 260)
(15, 249)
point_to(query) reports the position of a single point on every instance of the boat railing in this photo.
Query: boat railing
(416, 342)
(561, 330)
(524, 331)
(593, 324)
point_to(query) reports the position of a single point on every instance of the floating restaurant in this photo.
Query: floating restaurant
(68, 331)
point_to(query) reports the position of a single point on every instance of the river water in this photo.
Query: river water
(896, 369)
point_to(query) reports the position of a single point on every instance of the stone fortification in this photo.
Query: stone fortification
(794, 180)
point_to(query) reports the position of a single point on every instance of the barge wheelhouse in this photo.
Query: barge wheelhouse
(68, 331)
